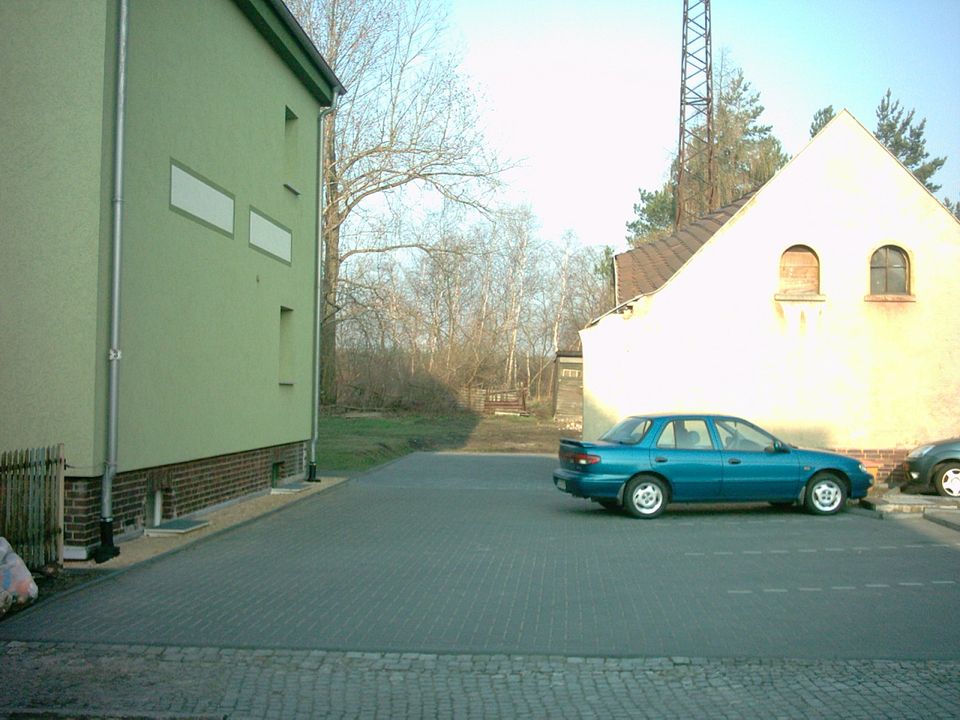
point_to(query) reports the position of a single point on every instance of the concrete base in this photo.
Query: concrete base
(293, 487)
(179, 526)
(77, 552)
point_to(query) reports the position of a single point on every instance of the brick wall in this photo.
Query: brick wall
(186, 488)
(886, 465)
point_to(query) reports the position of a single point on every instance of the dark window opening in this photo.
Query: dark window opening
(889, 272)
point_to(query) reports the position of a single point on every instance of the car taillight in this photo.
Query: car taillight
(582, 459)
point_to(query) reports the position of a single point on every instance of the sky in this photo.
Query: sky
(584, 94)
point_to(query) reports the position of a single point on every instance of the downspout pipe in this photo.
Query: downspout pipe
(318, 286)
(107, 549)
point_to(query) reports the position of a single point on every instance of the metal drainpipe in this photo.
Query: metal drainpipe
(107, 549)
(318, 301)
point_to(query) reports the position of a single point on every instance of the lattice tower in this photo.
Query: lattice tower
(695, 187)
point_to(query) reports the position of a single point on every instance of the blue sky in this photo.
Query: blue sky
(585, 93)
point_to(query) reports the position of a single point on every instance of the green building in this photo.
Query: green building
(210, 390)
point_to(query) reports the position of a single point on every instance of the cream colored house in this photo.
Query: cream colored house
(822, 307)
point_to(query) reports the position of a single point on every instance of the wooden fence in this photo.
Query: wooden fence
(492, 402)
(31, 504)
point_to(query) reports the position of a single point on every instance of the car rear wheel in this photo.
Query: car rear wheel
(946, 479)
(826, 494)
(645, 497)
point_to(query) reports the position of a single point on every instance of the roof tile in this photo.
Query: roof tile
(647, 268)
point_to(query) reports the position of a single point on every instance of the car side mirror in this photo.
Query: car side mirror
(778, 447)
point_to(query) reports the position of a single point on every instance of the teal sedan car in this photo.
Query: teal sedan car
(646, 462)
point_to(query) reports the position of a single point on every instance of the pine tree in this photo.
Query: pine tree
(820, 119)
(905, 139)
(746, 155)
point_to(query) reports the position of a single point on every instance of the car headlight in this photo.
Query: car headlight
(861, 467)
(919, 452)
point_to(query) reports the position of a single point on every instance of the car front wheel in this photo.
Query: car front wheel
(946, 479)
(645, 497)
(826, 494)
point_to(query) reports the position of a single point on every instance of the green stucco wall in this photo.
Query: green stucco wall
(200, 309)
(53, 141)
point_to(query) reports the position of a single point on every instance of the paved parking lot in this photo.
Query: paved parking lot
(444, 556)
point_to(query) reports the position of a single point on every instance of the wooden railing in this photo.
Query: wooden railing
(31, 504)
(511, 401)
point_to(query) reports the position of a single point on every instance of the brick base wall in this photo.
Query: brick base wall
(185, 487)
(886, 465)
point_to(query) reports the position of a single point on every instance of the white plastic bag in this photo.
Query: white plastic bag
(16, 582)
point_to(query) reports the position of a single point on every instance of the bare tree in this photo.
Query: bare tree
(407, 119)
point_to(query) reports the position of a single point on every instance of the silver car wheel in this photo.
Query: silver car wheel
(826, 495)
(950, 482)
(647, 497)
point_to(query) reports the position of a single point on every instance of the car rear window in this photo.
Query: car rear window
(629, 431)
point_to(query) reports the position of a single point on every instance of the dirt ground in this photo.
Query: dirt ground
(507, 433)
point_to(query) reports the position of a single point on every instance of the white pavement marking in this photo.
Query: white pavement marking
(844, 588)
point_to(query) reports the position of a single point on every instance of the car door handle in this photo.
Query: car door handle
(660, 459)
(734, 461)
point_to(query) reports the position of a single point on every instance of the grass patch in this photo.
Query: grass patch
(361, 441)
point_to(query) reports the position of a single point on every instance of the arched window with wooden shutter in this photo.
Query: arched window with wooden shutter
(799, 271)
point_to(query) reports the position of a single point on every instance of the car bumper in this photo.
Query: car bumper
(588, 486)
(917, 472)
(860, 485)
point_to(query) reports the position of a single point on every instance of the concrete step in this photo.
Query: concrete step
(897, 505)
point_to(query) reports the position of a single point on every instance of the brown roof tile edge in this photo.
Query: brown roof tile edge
(647, 268)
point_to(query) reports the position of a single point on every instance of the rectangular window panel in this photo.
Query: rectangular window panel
(286, 346)
(201, 200)
(897, 280)
(270, 237)
(878, 281)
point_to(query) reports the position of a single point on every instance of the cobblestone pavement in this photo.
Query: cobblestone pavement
(110, 681)
(460, 586)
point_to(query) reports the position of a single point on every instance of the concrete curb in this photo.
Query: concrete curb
(947, 518)
(896, 506)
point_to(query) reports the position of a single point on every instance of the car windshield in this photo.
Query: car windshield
(629, 431)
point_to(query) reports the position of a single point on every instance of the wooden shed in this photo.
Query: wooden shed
(568, 390)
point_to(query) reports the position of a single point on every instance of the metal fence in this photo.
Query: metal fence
(31, 504)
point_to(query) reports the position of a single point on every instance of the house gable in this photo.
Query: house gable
(837, 150)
